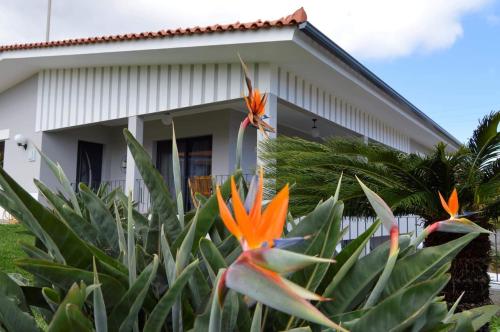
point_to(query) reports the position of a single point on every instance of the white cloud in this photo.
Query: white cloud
(366, 28)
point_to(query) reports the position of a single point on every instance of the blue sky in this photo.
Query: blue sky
(455, 86)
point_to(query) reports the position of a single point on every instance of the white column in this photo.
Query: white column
(136, 127)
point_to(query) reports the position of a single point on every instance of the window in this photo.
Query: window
(2, 152)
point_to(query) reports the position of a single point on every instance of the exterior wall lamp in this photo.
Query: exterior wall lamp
(21, 141)
(315, 130)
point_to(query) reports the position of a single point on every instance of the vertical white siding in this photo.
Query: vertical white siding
(71, 97)
(332, 107)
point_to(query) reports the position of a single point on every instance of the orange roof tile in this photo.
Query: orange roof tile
(299, 16)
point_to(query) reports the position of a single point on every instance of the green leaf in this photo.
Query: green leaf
(347, 258)
(162, 309)
(239, 146)
(77, 319)
(382, 210)
(11, 290)
(64, 276)
(257, 319)
(426, 261)
(187, 244)
(51, 297)
(100, 318)
(102, 219)
(168, 259)
(206, 216)
(402, 308)
(63, 180)
(122, 243)
(214, 261)
(161, 202)
(176, 167)
(478, 316)
(14, 319)
(217, 303)
(461, 225)
(61, 322)
(135, 294)
(136, 304)
(382, 280)
(131, 260)
(269, 289)
(76, 222)
(230, 312)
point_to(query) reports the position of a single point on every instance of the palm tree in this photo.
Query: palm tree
(409, 183)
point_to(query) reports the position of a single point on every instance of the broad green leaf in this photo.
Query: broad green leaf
(257, 319)
(187, 244)
(122, 243)
(64, 276)
(461, 225)
(217, 303)
(46, 225)
(27, 210)
(426, 261)
(478, 316)
(382, 280)
(432, 317)
(402, 308)
(347, 258)
(312, 222)
(63, 180)
(51, 297)
(161, 202)
(230, 312)
(214, 261)
(100, 317)
(34, 252)
(206, 216)
(131, 314)
(337, 191)
(131, 258)
(11, 290)
(176, 167)
(162, 309)
(168, 259)
(269, 289)
(75, 221)
(129, 298)
(451, 312)
(14, 319)
(61, 322)
(77, 320)
(102, 219)
(383, 211)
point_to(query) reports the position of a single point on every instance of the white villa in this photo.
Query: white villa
(72, 98)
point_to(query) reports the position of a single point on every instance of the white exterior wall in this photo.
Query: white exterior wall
(17, 116)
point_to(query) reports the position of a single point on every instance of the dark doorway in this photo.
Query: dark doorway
(195, 157)
(2, 152)
(89, 164)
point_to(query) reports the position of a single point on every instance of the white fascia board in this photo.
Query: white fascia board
(324, 56)
(175, 42)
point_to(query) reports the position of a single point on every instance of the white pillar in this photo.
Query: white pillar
(136, 128)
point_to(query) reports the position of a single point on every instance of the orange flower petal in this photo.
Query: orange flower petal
(453, 203)
(274, 217)
(444, 204)
(240, 213)
(226, 216)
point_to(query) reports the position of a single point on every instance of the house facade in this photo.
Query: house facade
(73, 98)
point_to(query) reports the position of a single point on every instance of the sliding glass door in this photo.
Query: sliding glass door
(195, 156)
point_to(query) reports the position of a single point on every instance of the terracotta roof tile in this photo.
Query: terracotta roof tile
(299, 16)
